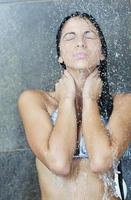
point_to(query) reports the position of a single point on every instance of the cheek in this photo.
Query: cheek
(66, 51)
(96, 49)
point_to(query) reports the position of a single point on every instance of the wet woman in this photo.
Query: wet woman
(80, 131)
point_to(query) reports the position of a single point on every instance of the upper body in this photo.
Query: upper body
(50, 165)
(76, 97)
(36, 108)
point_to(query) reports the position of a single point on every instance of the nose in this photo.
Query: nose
(81, 42)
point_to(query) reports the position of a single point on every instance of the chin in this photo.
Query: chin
(82, 66)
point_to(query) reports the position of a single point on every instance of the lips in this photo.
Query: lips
(80, 55)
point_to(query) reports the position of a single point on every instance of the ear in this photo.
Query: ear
(102, 57)
(60, 60)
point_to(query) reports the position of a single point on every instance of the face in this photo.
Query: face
(80, 46)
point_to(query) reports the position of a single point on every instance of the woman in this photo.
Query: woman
(79, 131)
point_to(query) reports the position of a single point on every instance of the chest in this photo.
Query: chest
(77, 185)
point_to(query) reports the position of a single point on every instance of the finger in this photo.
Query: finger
(96, 73)
(100, 82)
(63, 77)
(56, 84)
(67, 74)
(60, 80)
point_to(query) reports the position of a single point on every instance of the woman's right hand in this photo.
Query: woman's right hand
(65, 87)
(93, 86)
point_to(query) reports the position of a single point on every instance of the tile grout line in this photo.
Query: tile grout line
(15, 150)
(28, 1)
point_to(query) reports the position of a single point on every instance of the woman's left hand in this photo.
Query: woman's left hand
(93, 86)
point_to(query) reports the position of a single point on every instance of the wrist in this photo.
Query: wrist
(90, 96)
(89, 100)
(67, 99)
(66, 103)
(90, 109)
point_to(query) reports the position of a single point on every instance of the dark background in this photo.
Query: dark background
(28, 61)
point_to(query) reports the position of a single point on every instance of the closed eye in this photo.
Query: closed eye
(90, 34)
(69, 36)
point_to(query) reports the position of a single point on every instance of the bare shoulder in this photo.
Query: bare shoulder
(122, 109)
(122, 96)
(122, 100)
(44, 98)
(120, 122)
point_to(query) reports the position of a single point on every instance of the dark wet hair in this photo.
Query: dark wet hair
(105, 101)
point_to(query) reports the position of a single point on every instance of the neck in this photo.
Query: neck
(79, 77)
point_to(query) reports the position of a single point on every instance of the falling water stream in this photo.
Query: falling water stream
(102, 13)
(109, 182)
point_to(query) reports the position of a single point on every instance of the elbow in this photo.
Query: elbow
(60, 168)
(59, 164)
(101, 164)
(55, 165)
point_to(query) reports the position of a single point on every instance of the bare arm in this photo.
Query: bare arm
(54, 146)
(101, 147)
(62, 142)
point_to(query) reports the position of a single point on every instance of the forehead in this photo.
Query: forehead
(77, 23)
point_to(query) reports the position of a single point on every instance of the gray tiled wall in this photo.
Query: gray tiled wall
(28, 61)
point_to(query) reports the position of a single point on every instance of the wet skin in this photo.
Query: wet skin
(80, 184)
(81, 53)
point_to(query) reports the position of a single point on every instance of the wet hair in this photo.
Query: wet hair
(105, 101)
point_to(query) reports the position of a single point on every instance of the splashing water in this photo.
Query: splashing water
(108, 177)
(109, 16)
(109, 183)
